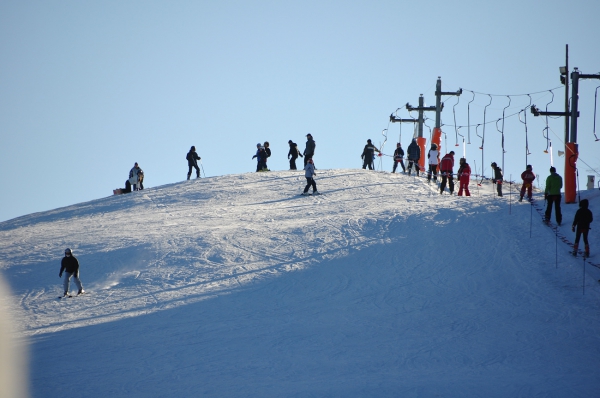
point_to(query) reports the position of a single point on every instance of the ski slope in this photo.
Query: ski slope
(236, 286)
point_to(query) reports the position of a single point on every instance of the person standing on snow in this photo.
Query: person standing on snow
(70, 266)
(136, 177)
(528, 177)
(433, 159)
(368, 154)
(309, 173)
(293, 154)
(583, 219)
(446, 169)
(261, 157)
(268, 154)
(554, 184)
(192, 158)
(399, 158)
(497, 179)
(464, 177)
(309, 151)
(414, 154)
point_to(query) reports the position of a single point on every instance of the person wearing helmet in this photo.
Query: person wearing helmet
(368, 155)
(433, 159)
(192, 158)
(399, 158)
(583, 219)
(497, 179)
(464, 177)
(414, 154)
(261, 158)
(70, 266)
(528, 177)
(309, 151)
(309, 173)
(293, 154)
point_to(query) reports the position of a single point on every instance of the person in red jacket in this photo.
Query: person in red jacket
(464, 176)
(446, 169)
(528, 177)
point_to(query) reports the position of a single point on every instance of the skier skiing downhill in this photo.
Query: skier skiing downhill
(70, 266)
(583, 219)
(309, 173)
(464, 176)
(446, 169)
(528, 177)
(414, 154)
(399, 158)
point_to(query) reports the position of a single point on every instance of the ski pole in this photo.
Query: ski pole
(202, 167)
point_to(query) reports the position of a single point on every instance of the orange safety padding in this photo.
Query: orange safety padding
(436, 138)
(570, 180)
(422, 141)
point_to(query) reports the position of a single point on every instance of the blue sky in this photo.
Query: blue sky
(89, 88)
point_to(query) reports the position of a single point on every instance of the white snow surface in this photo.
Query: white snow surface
(237, 286)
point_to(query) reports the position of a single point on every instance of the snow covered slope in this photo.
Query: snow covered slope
(236, 286)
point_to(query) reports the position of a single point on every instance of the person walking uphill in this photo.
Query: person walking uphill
(446, 169)
(368, 154)
(309, 151)
(309, 173)
(464, 177)
(70, 266)
(399, 158)
(293, 154)
(554, 184)
(414, 154)
(192, 158)
(497, 179)
(528, 177)
(583, 219)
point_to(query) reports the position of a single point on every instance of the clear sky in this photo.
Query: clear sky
(89, 88)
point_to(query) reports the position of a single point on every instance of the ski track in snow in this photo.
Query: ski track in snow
(239, 286)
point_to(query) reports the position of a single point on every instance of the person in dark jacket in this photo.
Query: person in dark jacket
(309, 151)
(293, 154)
(192, 158)
(399, 158)
(70, 266)
(446, 170)
(368, 155)
(268, 155)
(261, 157)
(497, 178)
(554, 184)
(414, 154)
(583, 219)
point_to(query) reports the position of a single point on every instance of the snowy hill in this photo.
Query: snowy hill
(236, 286)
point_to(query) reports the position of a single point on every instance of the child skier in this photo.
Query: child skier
(583, 219)
(464, 176)
(497, 179)
(528, 177)
(309, 173)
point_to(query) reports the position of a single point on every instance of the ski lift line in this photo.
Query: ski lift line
(512, 95)
(508, 116)
(579, 158)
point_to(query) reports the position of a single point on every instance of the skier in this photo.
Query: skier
(309, 151)
(134, 177)
(497, 179)
(192, 158)
(268, 153)
(261, 157)
(399, 158)
(293, 154)
(464, 176)
(554, 184)
(446, 169)
(583, 219)
(70, 266)
(433, 159)
(368, 155)
(414, 154)
(528, 177)
(309, 173)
